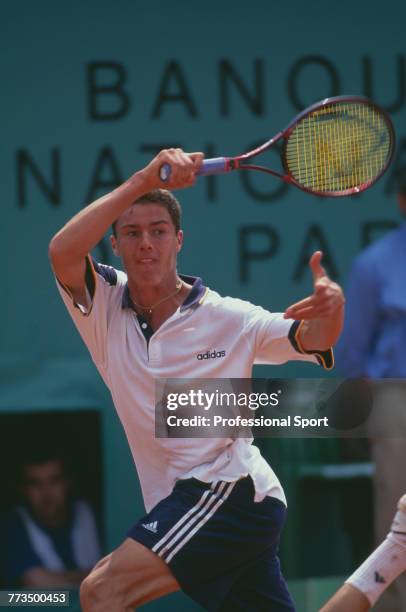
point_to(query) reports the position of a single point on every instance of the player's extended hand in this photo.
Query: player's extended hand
(183, 169)
(327, 298)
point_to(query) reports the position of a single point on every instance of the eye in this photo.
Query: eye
(158, 232)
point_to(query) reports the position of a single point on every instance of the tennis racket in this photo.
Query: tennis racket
(336, 147)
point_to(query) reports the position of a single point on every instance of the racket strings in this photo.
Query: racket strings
(338, 147)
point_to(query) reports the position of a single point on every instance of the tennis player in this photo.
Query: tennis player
(215, 508)
(362, 590)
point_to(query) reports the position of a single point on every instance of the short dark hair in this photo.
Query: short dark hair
(163, 198)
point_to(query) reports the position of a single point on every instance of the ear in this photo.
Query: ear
(114, 245)
(179, 240)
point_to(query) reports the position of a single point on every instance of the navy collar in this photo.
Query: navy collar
(197, 292)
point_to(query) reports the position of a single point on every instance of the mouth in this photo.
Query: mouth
(146, 260)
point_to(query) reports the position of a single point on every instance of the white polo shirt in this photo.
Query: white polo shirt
(130, 358)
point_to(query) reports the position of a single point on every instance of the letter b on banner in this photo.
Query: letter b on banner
(108, 101)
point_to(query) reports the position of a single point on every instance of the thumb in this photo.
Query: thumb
(197, 158)
(315, 265)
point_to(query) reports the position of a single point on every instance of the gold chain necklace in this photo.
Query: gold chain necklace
(149, 309)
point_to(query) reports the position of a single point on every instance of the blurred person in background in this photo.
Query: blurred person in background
(373, 345)
(50, 539)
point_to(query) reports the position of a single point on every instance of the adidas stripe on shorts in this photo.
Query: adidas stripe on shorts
(220, 545)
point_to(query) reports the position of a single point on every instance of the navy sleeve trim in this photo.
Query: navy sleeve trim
(90, 281)
(107, 272)
(292, 336)
(324, 358)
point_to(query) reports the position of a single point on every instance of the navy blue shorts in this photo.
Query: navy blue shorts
(220, 545)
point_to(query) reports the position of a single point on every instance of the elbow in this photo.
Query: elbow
(55, 251)
(52, 249)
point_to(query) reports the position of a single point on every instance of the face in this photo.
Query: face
(45, 489)
(147, 243)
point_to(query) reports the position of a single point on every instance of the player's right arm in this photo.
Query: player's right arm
(70, 246)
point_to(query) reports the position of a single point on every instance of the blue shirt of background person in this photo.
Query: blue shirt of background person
(49, 539)
(21, 555)
(374, 337)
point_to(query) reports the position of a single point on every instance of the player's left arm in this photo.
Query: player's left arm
(322, 313)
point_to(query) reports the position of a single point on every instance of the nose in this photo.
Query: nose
(145, 243)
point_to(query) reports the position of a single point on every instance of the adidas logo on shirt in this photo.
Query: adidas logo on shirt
(151, 526)
(211, 355)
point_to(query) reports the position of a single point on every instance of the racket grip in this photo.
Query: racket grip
(215, 165)
(165, 172)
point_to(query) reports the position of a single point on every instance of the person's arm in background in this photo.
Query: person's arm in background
(70, 246)
(361, 320)
(322, 314)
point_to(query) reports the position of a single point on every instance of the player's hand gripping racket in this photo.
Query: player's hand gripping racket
(336, 147)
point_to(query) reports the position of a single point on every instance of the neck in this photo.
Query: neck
(166, 308)
(146, 295)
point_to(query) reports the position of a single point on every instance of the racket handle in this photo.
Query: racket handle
(165, 172)
(215, 165)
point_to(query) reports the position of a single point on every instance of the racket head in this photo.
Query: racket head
(338, 147)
